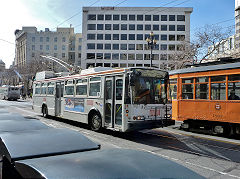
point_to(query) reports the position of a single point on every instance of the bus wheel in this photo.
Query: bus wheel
(45, 112)
(96, 122)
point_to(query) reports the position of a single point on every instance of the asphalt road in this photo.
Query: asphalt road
(209, 156)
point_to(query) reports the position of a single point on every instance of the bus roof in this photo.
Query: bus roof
(206, 68)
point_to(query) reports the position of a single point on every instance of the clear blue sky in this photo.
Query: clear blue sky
(49, 13)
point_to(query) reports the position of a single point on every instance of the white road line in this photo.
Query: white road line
(26, 111)
(189, 163)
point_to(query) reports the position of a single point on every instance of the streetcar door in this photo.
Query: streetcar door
(109, 103)
(58, 98)
(118, 95)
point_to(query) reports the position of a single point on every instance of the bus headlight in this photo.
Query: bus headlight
(138, 118)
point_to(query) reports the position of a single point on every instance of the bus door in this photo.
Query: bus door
(113, 101)
(109, 103)
(58, 98)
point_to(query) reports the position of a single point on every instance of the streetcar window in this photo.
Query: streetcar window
(81, 90)
(218, 78)
(234, 91)
(234, 78)
(201, 91)
(37, 88)
(173, 89)
(202, 80)
(218, 91)
(95, 79)
(187, 91)
(189, 80)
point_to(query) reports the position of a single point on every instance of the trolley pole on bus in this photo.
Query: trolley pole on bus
(151, 44)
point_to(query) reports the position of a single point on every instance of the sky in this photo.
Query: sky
(50, 13)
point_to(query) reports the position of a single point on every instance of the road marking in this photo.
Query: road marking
(200, 166)
(26, 111)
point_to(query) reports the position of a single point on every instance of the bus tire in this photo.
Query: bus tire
(96, 122)
(44, 111)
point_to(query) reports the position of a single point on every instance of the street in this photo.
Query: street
(209, 156)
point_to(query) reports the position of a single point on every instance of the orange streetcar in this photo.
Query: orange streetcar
(207, 97)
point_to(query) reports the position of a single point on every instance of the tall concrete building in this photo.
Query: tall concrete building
(237, 24)
(62, 43)
(2, 66)
(116, 36)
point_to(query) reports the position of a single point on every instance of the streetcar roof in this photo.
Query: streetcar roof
(206, 68)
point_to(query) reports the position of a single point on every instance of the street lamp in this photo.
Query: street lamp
(151, 43)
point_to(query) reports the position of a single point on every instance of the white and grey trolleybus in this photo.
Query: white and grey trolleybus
(121, 99)
(9, 92)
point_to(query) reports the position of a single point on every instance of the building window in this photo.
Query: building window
(115, 46)
(131, 46)
(155, 57)
(155, 17)
(163, 27)
(79, 47)
(115, 26)
(33, 47)
(55, 55)
(131, 56)
(41, 47)
(171, 47)
(107, 56)
(147, 27)
(123, 46)
(33, 39)
(180, 37)
(90, 46)
(171, 27)
(139, 56)
(171, 37)
(91, 36)
(63, 55)
(108, 26)
(47, 39)
(124, 17)
(123, 56)
(116, 17)
(55, 47)
(171, 17)
(99, 26)
(64, 39)
(123, 26)
(100, 17)
(100, 46)
(131, 26)
(163, 17)
(33, 54)
(92, 17)
(99, 55)
(139, 17)
(123, 36)
(63, 47)
(131, 36)
(80, 40)
(41, 39)
(163, 46)
(90, 55)
(91, 27)
(147, 17)
(180, 47)
(163, 37)
(108, 17)
(132, 17)
(107, 46)
(155, 27)
(180, 17)
(180, 27)
(47, 47)
(107, 36)
(146, 56)
(139, 46)
(139, 27)
(99, 36)
(55, 39)
(139, 36)
(115, 56)
(156, 37)
(163, 57)
(115, 36)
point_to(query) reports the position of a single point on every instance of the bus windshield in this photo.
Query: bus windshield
(148, 90)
